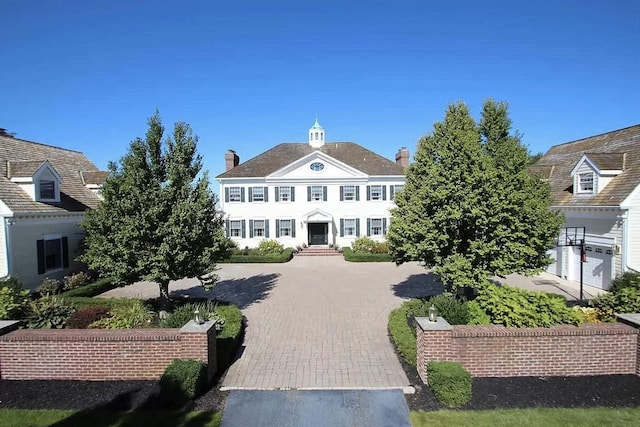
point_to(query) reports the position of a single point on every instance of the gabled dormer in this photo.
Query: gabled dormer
(594, 171)
(39, 179)
(93, 180)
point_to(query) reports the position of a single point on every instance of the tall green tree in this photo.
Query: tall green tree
(157, 221)
(469, 208)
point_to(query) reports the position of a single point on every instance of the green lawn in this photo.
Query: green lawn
(60, 418)
(530, 417)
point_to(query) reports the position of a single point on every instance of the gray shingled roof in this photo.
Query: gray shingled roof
(284, 154)
(93, 177)
(23, 169)
(608, 151)
(26, 156)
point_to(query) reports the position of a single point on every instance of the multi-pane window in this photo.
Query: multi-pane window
(234, 194)
(285, 227)
(585, 182)
(350, 227)
(47, 190)
(376, 227)
(394, 189)
(53, 254)
(375, 192)
(258, 194)
(235, 228)
(349, 192)
(316, 192)
(284, 194)
(258, 228)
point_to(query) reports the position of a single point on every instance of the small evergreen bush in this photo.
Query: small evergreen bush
(81, 319)
(367, 245)
(183, 380)
(49, 287)
(450, 383)
(450, 307)
(49, 312)
(267, 247)
(251, 256)
(14, 300)
(624, 300)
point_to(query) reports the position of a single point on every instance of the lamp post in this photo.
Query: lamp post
(433, 313)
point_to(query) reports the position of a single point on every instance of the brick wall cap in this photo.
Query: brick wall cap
(193, 328)
(631, 318)
(92, 335)
(440, 325)
(7, 326)
(460, 331)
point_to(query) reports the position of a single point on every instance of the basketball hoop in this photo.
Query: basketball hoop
(574, 236)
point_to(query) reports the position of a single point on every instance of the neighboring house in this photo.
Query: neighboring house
(313, 193)
(44, 193)
(596, 184)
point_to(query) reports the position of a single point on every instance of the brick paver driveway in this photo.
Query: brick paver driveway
(314, 322)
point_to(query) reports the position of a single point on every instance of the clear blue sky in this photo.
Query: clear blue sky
(248, 75)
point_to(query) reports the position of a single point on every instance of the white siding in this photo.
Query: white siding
(633, 236)
(4, 271)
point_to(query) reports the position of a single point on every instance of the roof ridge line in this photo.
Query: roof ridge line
(595, 136)
(44, 145)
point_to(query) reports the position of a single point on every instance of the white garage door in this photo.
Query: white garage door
(554, 267)
(597, 268)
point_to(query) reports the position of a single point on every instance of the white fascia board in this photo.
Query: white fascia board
(23, 179)
(319, 155)
(584, 159)
(4, 209)
(634, 195)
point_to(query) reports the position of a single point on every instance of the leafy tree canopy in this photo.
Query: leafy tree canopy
(470, 208)
(157, 220)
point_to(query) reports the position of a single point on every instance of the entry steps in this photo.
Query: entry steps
(318, 251)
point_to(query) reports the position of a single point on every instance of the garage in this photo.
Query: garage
(598, 266)
(556, 255)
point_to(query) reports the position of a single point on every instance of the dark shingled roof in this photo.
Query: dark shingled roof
(284, 154)
(18, 156)
(609, 151)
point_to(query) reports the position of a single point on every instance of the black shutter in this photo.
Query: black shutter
(41, 265)
(242, 194)
(293, 194)
(357, 227)
(65, 252)
(266, 194)
(277, 194)
(384, 226)
(357, 193)
(250, 195)
(244, 231)
(266, 227)
(250, 228)
(341, 194)
(392, 192)
(226, 224)
(368, 226)
(324, 193)
(368, 192)
(293, 228)
(277, 228)
(308, 193)
(226, 195)
(384, 192)
(341, 227)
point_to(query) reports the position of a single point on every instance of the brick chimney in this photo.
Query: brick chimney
(402, 157)
(231, 159)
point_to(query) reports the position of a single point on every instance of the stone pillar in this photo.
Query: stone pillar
(198, 342)
(633, 319)
(434, 343)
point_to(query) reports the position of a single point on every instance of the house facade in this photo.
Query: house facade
(44, 194)
(595, 182)
(315, 193)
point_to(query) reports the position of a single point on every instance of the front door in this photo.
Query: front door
(318, 233)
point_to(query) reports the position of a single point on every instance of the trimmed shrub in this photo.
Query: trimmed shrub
(49, 287)
(92, 289)
(450, 383)
(402, 334)
(14, 300)
(450, 307)
(81, 319)
(253, 257)
(183, 380)
(229, 338)
(75, 281)
(352, 256)
(127, 314)
(49, 312)
(267, 247)
(367, 245)
(515, 307)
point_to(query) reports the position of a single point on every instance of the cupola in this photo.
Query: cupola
(316, 135)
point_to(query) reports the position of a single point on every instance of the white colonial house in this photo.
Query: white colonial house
(44, 193)
(312, 193)
(596, 184)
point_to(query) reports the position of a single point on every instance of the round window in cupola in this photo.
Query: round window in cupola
(316, 166)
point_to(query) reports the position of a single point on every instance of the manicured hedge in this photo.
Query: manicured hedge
(450, 383)
(183, 380)
(229, 338)
(401, 333)
(350, 255)
(92, 289)
(255, 258)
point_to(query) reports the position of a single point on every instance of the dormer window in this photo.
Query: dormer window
(47, 190)
(585, 182)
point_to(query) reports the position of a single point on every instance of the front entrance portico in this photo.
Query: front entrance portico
(320, 229)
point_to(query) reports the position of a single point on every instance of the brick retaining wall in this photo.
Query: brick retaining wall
(102, 354)
(497, 351)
